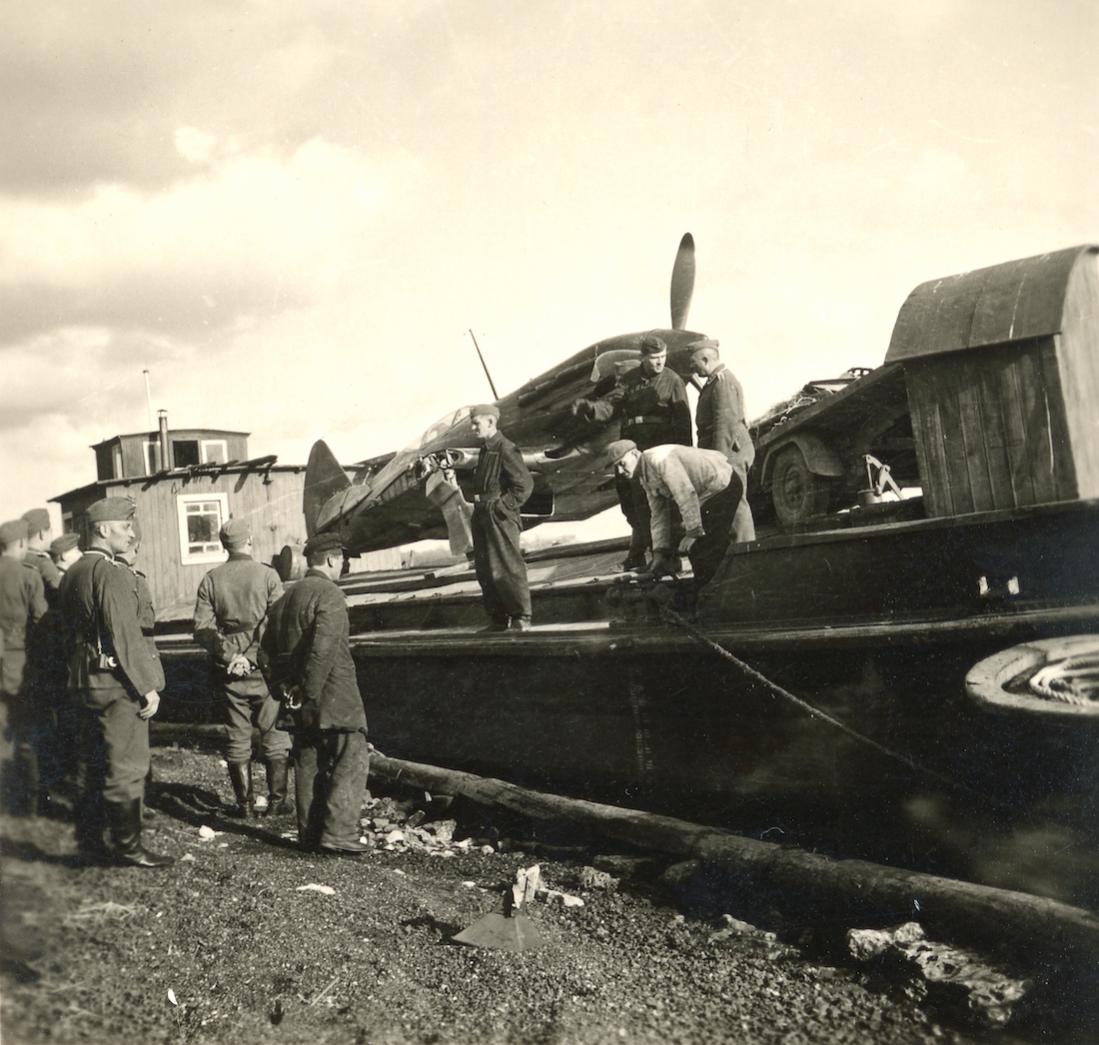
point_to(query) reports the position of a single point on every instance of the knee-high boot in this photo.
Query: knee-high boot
(240, 773)
(279, 802)
(124, 819)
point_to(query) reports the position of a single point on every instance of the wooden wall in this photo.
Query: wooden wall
(991, 428)
(1078, 357)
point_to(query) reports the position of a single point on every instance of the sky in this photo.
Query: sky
(291, 213)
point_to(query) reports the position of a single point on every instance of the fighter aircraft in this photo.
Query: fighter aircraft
(416, 493)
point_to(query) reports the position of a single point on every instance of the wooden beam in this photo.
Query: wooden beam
(809, 885)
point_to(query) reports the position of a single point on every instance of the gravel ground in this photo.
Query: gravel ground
(227, 946)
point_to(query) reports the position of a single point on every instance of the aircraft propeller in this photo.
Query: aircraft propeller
(683, 281)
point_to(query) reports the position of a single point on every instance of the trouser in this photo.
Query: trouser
(725, 517)
(634, 503)
(499, 564)
(19, 771)
(329, 784)
(113, 752)
(247, 702)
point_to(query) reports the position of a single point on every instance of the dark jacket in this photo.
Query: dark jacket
(653, 408)
(51, 575)
(306, 644)
(501, 475)
(99, 608)
(231, 609)
(22, 606)
(720, 418)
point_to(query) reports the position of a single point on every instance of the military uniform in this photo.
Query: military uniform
(231, 612)
(654, 411)
(22, 606)
(306, 647)
(112, 667)
(721, 426)
(501, 484)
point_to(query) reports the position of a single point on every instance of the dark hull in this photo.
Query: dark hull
(876, 627)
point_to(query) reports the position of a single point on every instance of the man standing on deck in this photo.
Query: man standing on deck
(501, 485)
(22, 606)
(307, 656)
(652, 403)
(231, 613)
(701, 484)
(113, 680)
(721, 426)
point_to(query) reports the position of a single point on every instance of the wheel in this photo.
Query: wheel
(797, 493)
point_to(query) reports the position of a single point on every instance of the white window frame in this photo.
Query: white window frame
(203, 453)
(152, 454)
(116, 461)
(210, 553)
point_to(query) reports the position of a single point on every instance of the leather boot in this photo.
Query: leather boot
(240, 773)
(278, 801)
(124, 819)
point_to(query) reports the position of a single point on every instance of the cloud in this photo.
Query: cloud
(249, 232)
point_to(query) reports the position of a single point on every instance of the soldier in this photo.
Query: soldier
(501, 485)
(22, 606)
(701, 484)
(38, 550)
(231, 612)
(307, 656)
(721, 426)
(113, 680)
(64, 551)
(652, 403)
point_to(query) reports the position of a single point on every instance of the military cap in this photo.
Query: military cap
(323, 542)
(12, 531)
(619, 448)
(235, 533)
(485, 410)
(111, 509)
(65, 543)
(37, 519)
(651, 345)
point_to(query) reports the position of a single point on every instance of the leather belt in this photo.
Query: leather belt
(644, 420)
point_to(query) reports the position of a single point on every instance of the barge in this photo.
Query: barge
(863, 633)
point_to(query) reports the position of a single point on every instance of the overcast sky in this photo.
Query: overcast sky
(291, 212)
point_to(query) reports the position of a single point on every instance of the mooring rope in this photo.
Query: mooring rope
(897, 756)
(1074, 680)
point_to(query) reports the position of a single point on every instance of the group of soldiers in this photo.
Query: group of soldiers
(80, 678)
(678, 498)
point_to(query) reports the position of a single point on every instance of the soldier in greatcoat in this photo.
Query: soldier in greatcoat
(651, 401)
(307, 658)
(501, 485)
(722, 427)
(231, 613)
(22, 606)
(114, 682)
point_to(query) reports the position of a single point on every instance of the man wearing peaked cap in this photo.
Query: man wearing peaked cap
(651, 403)
(307, 655)
(38, 550)
(232, 610)
(22, 606)
(113, 681)
(501, 485)
(64, 551)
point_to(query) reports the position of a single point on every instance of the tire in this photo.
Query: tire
(797, 494)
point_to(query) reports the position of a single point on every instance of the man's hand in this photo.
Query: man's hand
(663, 565)
(581, 408)
(238, 667)
(149, 708)
(687, 543)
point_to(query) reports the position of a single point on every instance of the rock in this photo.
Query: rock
(564, 899)
(625, 866)
(395, 836)
(598, 881)
(443, 830)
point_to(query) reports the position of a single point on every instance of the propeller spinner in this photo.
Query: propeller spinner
(683, 281)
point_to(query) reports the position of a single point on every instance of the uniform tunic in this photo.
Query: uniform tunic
(501, 485)
(22, 606)
(307, 645)
(654, 412)
(231, 614)
(721, 427)
(705, 488)
(100, 611)
(47, 568)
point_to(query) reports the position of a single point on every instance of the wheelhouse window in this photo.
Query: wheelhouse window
(215, 451)
(200, 520)
(184, 452)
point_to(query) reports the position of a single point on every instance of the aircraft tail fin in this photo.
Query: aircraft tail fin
(324, 478)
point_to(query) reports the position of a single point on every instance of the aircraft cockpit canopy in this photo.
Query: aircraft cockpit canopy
(440, 428)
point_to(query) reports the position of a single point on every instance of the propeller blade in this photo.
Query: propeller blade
(683, 281)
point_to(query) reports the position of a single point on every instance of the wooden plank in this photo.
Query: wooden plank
(992, 419)
(1015, 434)
(811, 885)
(1036, 424)
(928, 435)
(1064, 468)
(973, 435)
(953, 438)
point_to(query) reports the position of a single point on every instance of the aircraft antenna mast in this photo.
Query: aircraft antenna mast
(484, 366)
